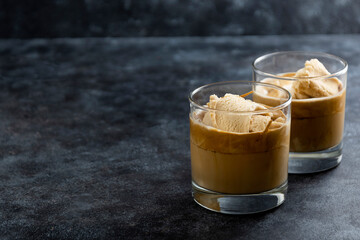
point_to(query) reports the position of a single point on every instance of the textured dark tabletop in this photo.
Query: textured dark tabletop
(94, 141)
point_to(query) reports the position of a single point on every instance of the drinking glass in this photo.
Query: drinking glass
(317, 124)
(239, 173)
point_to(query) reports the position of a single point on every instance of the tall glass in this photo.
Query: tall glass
(239, 173)
(317, 123)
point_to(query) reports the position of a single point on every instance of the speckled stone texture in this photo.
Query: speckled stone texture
(135, 18)
(94, 141)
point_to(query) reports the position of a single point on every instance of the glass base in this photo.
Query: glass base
(312, 162)
(239, 204)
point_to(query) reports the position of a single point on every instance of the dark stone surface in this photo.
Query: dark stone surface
(129, 18)
(94, 141)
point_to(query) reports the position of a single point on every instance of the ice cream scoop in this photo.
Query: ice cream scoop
(234, 115)
(311, 82)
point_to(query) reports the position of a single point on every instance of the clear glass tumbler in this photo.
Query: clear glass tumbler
(317, 123)
(239, 172)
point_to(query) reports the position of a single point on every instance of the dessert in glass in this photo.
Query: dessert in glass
(317, 82)
(239, 147)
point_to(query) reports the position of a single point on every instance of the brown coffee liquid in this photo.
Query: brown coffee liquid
(316, 123)
(238, 163)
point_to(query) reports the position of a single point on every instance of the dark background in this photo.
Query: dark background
(129, 18)
(94, 133)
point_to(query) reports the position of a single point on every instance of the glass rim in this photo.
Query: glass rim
(322, 54)
(270, 109)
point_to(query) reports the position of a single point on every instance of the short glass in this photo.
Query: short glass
(317, 124)
(239, 173)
